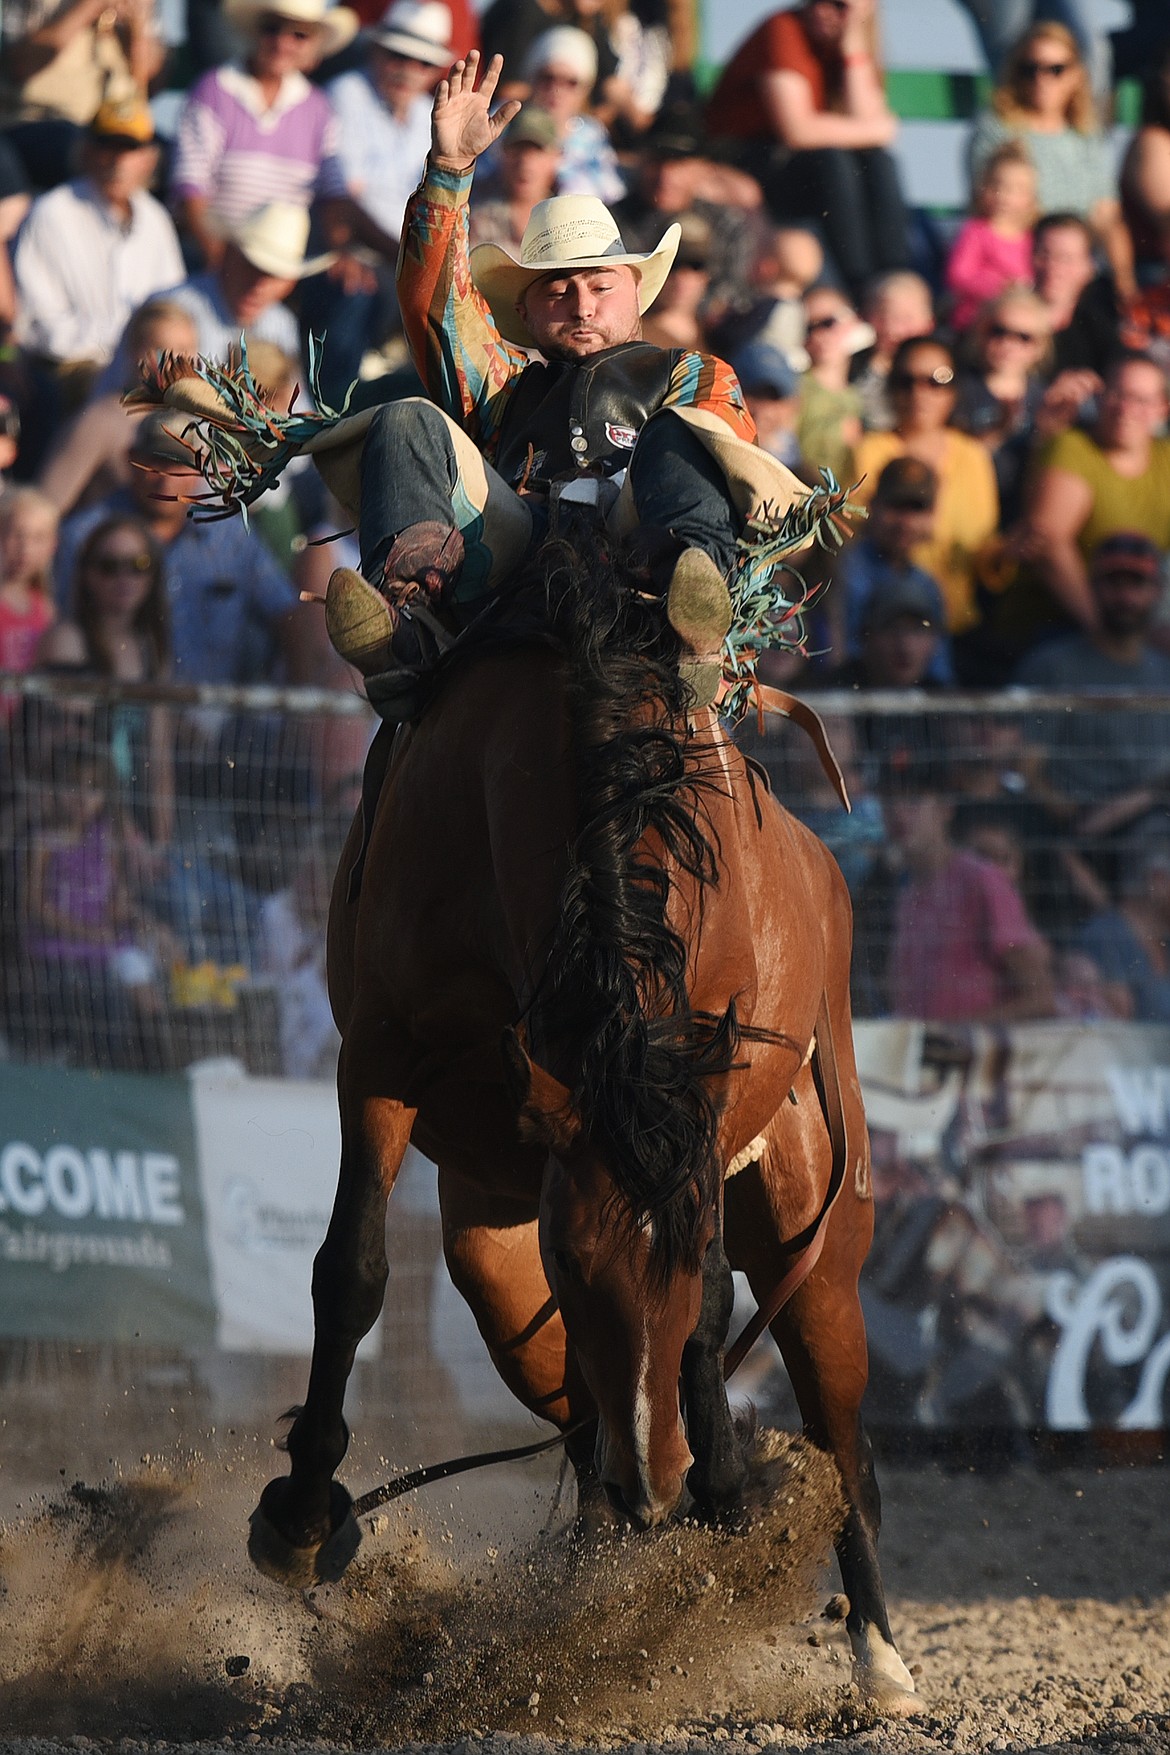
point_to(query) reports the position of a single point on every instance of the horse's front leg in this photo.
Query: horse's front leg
(303, 1530)
(716, 1477)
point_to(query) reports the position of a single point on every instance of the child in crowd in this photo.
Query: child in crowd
(28, 541)
(994, 247)
(898, 307)
(292, 948)
(770, 388)
(829, 422)
(98, 954)
(789, 263)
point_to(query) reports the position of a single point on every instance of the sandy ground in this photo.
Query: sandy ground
(1032, 1605)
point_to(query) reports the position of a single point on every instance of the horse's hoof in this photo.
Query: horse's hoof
(887, 1700)
(881, 1677)
(301, 1566)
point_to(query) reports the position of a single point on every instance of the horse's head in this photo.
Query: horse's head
(628, 1312)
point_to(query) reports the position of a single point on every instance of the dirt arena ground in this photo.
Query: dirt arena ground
(1032, 1605)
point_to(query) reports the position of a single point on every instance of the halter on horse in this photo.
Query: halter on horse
(582, 971)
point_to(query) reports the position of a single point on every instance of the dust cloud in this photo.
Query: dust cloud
(129, 1610)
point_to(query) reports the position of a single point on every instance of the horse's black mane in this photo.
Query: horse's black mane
(612, 1008)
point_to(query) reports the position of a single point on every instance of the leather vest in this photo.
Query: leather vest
(582, 417)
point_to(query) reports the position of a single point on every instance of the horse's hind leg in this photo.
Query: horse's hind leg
(302, 1530)
(821, 1334)
(492, 1249)
(822, 1338)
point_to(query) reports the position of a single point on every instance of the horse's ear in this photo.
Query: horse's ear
(546, 1112)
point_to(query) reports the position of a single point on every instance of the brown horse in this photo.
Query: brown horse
(582, 971)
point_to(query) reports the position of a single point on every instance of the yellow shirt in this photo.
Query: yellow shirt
(966, 514)
(1120, 502)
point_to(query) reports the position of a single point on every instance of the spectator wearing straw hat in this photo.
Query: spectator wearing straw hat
(95, 248)
(384, 108)
(384, 129)
(263, 259)
(260, 132)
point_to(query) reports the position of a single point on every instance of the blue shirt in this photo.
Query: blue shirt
(226, 593)
(383, 158)
(1120, 955)
(860, 573)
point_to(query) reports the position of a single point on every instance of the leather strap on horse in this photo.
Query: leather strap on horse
(811, 1240)
(770, 700)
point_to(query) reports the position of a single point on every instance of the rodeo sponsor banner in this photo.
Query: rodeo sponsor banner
(101, 1209)
(177, 1212)
(1020, 1274)
(268, 1151)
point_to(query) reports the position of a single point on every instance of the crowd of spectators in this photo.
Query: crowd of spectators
(993, 383)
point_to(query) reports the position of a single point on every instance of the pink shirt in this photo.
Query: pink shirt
(950, 935)
(981, 263)
(20, 632)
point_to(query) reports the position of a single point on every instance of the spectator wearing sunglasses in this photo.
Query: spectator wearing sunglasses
(258, 133)
(1045, 101)
(922, 386)
(829, 421)
(561, 71)
(802, 103)
(1001, 399)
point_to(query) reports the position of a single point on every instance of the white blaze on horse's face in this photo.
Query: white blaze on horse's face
(627, 1331)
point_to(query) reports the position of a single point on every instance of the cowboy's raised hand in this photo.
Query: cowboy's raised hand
(462, 123)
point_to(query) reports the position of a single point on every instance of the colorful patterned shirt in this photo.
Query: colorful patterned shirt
(464, 362)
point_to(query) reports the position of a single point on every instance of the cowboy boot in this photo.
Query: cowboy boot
(698, 608)
(366, 624)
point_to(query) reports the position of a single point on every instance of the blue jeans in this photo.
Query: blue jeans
(411, 474)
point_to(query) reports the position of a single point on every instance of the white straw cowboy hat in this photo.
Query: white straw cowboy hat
(273, 239)
(564, 235)
(337, 24)
(418, 29)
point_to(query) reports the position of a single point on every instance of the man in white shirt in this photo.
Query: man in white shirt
(384, 133)
(92, 250)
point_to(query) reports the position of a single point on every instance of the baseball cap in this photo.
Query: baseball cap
(532, 127)
(760, 366)
(1129, 553)
(915, 594)
(125, 122)
(694, 247)
(909, 483)
(676, 132)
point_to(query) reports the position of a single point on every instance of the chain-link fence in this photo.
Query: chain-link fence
(167, 858)
(1008, 855)
(166, 864)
